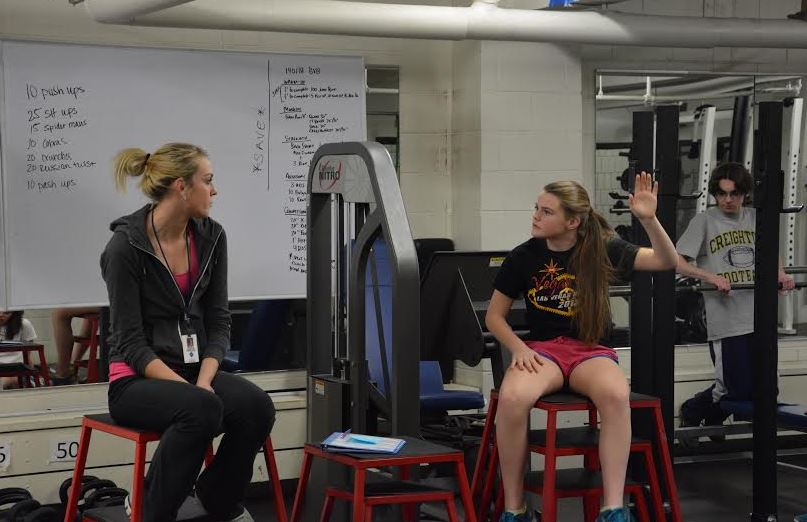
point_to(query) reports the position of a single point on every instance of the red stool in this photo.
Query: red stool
(89, 343)
(553, 443)
(391, 492)
(413, 453)
(580, 483)
(27, 375)
(105, 423)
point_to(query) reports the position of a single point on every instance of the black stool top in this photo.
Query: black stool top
(191, 511)
(102, 417)
(564, 397)
(106, 418)
(642, 397)
(18, 368)
(567, 396)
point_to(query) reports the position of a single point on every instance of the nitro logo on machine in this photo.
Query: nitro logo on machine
(344, 174)
(328, 174)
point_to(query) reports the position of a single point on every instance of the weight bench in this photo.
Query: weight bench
(790, 416)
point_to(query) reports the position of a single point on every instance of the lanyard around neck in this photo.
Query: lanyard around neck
(187, 250)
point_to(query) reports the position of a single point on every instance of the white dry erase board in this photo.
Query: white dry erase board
(67, 109)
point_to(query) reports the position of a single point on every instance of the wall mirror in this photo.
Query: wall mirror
(717, 117)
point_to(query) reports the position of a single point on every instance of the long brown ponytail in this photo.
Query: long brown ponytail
(590, 262)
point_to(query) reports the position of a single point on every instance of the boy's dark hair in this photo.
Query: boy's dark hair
(735, 172)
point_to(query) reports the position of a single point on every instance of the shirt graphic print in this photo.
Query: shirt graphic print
(553, 290)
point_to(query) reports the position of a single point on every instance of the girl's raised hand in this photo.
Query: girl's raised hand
(644, 199)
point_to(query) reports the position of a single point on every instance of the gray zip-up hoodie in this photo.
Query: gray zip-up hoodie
(146, 305)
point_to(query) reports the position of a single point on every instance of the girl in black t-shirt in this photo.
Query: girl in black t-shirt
(563, 272)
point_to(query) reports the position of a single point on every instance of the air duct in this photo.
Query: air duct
(481, 21)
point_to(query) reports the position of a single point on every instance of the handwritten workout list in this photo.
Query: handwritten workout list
(66, 110)
(313, 103)
(54, 118)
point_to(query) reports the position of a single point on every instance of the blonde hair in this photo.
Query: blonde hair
(159, 169)
(593, 310)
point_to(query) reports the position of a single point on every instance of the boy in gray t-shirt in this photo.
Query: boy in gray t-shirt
(721, 241)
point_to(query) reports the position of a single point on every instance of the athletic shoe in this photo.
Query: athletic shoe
(243, 517)
(527, 516)
(622, 514)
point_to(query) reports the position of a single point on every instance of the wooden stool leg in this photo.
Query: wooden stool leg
(305, 470)
(451, 509)
(274, 478)
(591, 505)
(358, 495)
(327, 508)
(138, 481)
(43, 366)
(408, 510)
(498, 508)
(92, 361)
(209, 455)
(465, 492)
(653, 483)
(368, 513)
(550, 505)
(641, 506)
(78, 473)
(487, 490)
(484, 444)
(666, 462)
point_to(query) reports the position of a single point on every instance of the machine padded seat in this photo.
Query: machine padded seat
(435, 399)
(788, 415)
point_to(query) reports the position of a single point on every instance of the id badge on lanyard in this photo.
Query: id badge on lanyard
(190, 344)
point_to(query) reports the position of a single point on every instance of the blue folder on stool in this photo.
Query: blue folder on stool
(348, 442)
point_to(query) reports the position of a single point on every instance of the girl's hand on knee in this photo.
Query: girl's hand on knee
(527, 360)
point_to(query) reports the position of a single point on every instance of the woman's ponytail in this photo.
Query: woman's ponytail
(129, 162)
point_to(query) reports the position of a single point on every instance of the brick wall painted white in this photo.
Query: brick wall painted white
(466, 149)
(531, 118)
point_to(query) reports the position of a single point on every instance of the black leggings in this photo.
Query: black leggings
(189, 417)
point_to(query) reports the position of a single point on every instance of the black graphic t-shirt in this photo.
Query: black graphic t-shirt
(543, 278)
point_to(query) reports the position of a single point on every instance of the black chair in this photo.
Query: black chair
(427, 246)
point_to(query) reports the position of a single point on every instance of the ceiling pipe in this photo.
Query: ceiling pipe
(481, 21)
(124, 11)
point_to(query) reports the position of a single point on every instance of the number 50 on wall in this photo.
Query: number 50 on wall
(63, 449)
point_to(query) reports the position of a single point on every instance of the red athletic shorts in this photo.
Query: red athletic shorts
(568, 353)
